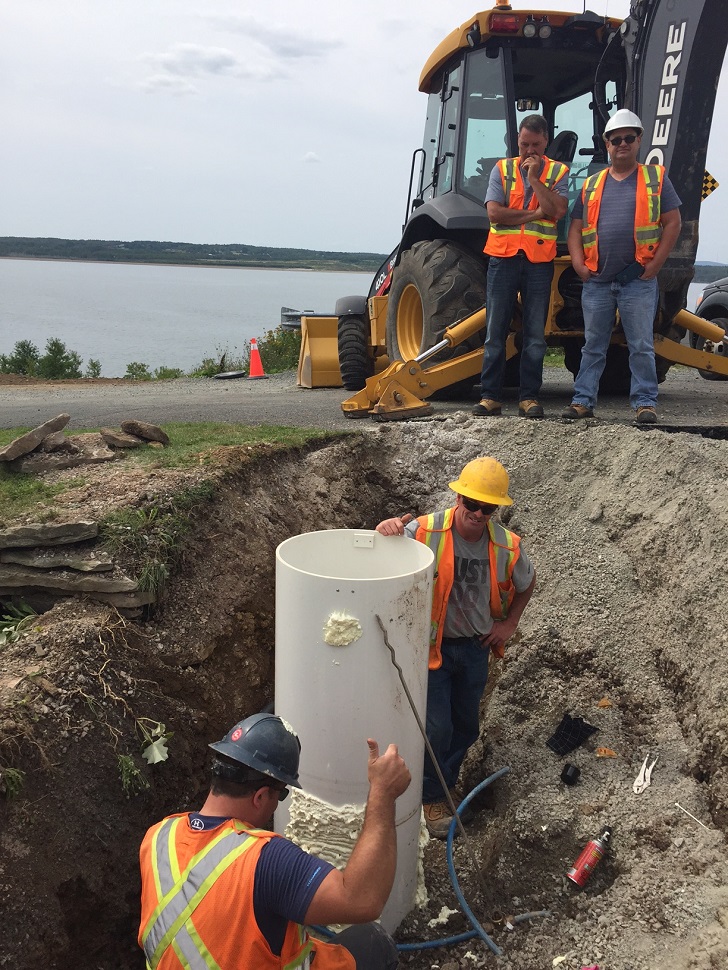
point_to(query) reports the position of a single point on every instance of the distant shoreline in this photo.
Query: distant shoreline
(210, 265)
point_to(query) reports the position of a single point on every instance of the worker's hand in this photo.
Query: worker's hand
(531, 166)
(499, 633)
(388, 772)
(583, 272)
(649, 273)
(395, 526)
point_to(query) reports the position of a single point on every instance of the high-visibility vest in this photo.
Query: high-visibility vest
(537, 239)
(647, 228)
(197, 903)
(435, 531)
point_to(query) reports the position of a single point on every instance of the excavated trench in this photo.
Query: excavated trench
(628, 532)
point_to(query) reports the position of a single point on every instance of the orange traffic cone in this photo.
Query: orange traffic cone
(256, 364)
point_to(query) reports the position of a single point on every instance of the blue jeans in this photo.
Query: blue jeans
(453, 707)
(507, 277)
(637, 305)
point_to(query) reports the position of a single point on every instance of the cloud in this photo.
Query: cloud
(194, 61)
(170, 85)
(284, 42)
(311, 157)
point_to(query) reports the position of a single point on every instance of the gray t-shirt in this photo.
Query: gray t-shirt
(496, 192)
(615, 226)
(468, 606)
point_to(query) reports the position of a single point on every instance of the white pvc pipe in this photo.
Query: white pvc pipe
(336, 685)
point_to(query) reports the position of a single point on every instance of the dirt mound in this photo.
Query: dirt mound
(628, 530)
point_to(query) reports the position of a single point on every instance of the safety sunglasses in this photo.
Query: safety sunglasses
(281, 792)
(629, 139)
(472, 506)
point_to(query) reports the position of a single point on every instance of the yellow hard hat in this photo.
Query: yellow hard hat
(485, 480)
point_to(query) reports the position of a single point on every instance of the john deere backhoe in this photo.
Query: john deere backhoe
(399, 344)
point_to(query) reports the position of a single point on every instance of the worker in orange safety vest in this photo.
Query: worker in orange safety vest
(483, 582)
(220, 891)
(623, 227)
(525, 199)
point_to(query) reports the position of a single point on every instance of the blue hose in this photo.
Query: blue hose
(479, 931)
(477, 928)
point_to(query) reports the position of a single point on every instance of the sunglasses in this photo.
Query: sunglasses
(281, 792)
(629, 139)
(472, 506)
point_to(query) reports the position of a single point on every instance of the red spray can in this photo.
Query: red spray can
(590, 857)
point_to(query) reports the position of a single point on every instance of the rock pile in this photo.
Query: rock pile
(42, 562)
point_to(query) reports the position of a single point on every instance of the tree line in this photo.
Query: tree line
(199, 254)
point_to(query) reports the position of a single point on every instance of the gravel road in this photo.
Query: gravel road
(686, 401)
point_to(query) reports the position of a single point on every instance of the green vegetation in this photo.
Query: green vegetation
(707, 272)
(206, 254)
(20, 492)
(14, 620)
(11, 782)
(191, 445)
(57, 363)
(132, 780)
(279, 350)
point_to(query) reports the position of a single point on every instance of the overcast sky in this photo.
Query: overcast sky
(219, 122)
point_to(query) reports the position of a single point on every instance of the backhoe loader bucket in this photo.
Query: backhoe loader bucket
(318, 360)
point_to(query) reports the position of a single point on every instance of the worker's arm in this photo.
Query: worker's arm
(671, 223)
(503, 630)
(576, 249)
(357, 893)
(394, 526)
(552, 203)
(503, 216)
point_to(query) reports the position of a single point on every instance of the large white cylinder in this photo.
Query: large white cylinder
(335, 682)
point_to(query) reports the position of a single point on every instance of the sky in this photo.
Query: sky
(219, 122)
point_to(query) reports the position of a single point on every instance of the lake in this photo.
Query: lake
(162, 316)
(171, 316)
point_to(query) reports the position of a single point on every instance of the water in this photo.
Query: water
(171, 316)
(162, 316)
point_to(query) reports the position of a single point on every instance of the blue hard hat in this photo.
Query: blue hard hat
(266, 744)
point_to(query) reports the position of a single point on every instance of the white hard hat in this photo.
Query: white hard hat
(624, 118)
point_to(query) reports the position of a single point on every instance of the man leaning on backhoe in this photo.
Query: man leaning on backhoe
(622, 230)
(525, 199)
(483, 582)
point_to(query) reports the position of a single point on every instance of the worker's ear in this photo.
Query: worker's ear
(259, 796)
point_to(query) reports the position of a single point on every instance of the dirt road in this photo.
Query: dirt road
(686, 400)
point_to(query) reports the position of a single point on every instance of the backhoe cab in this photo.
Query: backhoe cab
(498, 67)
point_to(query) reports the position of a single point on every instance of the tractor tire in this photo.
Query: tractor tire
(709, 375)
(663, 366)
(436, 283)
(355, 362)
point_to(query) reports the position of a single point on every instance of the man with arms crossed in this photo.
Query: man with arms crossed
(526, 197)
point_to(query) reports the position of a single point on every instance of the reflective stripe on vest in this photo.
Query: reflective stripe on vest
(180, 893)
(536, 238)
(647, 228)
(435, 532)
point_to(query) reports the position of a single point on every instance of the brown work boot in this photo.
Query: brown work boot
(575, 411)
(646, 415)
(487, 408)
(467, 813)
(437, 819)
(530, 409)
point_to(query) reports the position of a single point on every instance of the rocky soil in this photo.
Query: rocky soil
(628, 530)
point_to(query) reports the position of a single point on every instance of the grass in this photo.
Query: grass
(190, 446)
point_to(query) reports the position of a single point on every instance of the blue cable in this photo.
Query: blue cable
(477, 928)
